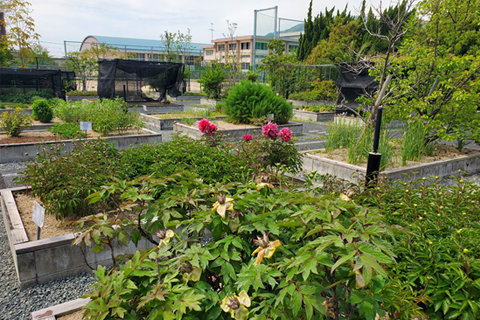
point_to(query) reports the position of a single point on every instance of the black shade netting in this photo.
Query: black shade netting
(354, 81)
(24, 80)
(135, 79)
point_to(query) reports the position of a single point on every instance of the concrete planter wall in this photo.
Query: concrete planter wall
(157, 124)
(300, 103)
(53, 258)
(234, 134)
(442, 168)
(80, 98)
(25, 111)
(313, 116)
(189, 98)
(37, 127)
(16, 152)
(209, 102)
(161, 108)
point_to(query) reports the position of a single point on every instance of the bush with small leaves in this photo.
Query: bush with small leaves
(42, 111)
(13, 123)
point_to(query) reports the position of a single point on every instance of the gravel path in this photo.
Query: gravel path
(16, 304)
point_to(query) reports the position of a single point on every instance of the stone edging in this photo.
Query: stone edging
(442, 168)
(59, 310)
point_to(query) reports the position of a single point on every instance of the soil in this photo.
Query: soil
(441, 152)
(51, 228)
(43, 136)
(72, 316)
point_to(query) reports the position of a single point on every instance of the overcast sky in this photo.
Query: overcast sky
(73, 20)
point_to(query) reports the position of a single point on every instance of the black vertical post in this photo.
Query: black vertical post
(125, 99)
(374, 158)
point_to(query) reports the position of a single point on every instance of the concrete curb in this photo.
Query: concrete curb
(157, 124)
(59, 310)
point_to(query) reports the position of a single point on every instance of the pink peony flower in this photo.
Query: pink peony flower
(286, 134)
(204, 125)
(247, 137)
(212, 128)
(270, 130)
(207, 127)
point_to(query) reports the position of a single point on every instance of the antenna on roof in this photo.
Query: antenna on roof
(211, 29)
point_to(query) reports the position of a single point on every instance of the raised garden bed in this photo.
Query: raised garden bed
(73, 98)
(16, 152)
(158, 124)
(440, 168)
(48, 259)
(24, 110)
(300, 103)
(313, 116)
(209, 102)
(152, 107)
(232, 131)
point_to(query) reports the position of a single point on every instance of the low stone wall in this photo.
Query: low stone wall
(53, 258)
(157, 124)
(209, 102)
(17, 152)
(313, 116)
(25, 111)
(234, 134)
(36, 127)
(442, 168)
(300, 103)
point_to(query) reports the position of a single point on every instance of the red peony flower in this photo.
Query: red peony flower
(270, 130)
(212, 128)
(204, 125)
(247, 137)
(286, 134)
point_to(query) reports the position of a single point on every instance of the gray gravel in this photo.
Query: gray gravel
(16, 304)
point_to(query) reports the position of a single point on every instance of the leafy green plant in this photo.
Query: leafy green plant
(26, 98)
(211, 80)
(63, 182)
(249, 100)
(313, 256)
(252, 76)
(42, 111)
(14, 122)
(322, 90)
(2, 105)
(71, 112)
(67, 130)
(413, 141)
(219, 107)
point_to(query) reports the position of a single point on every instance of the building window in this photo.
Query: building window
(245, 45)
(232, 46)
(245, 56)
(261, 46)
(190, 60)
(154, 57)
(245, 65)
(221, 47)
(209, 52)
(140, 56)
(292, 47)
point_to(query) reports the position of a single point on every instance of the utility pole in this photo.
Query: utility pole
(211, 29)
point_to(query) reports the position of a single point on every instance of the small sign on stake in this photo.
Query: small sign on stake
(270, 116)
(85, 125)
(38, 217)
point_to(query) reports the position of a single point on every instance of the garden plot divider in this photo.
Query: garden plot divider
(157, 124)
(441, 168)
(17, 152)
(44, 260)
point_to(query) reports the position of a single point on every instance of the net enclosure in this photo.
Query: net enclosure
(137, 78)
(24, 80)
(354, 81)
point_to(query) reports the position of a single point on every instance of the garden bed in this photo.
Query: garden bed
(233, 131)
(43, 260)
(12, 150)
(300, 103)
(313, 116)
(209, 102)
(158, 123)
(444, 163)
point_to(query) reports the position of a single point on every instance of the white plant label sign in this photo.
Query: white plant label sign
(38, 214)
(84, 125)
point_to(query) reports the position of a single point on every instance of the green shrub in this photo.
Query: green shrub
(2, 106)
(19, 105)
(14, 122)
(63, 182)
(211, 80)
(252, 76)
(322, 90)
(219, 107)
(26, 98)
(42, 111)
(71, 112)
(249, 100)
(67, 130)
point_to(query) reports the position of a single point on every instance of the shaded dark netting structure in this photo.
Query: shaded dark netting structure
(354, 81)
(137, 77)
(24, 80)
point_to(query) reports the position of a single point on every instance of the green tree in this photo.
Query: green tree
(176, 45)
(436, 74)
(41, 55)
(211, 80)
(20, 26)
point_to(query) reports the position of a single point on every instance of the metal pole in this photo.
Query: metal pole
(275, 35)
(254, 41)
(374, 158)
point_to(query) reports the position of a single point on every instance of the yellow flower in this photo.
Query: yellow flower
(262, 182)
(164, 237)
(191, 273)
(265, 248)
(222, 205)
(237, 305)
